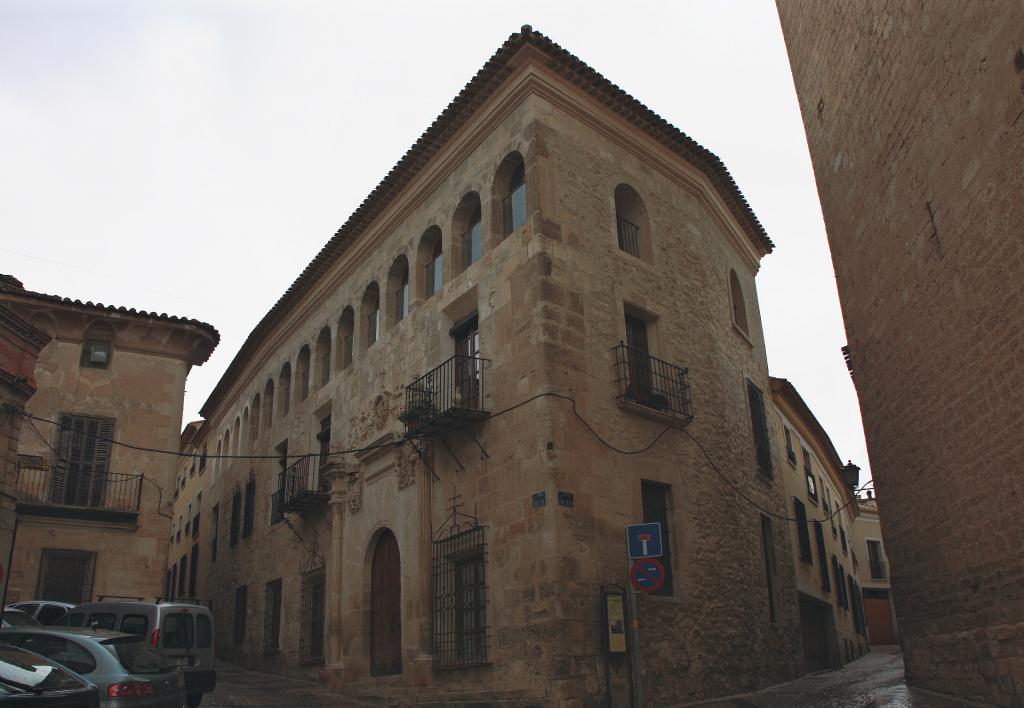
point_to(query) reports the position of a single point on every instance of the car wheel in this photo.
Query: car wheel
(193, 700)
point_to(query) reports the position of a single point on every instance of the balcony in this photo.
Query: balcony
(56, 490)
(301, 486)
(651, 384)
(448, 398)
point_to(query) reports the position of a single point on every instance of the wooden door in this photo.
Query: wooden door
(879, 617)
(386, 607)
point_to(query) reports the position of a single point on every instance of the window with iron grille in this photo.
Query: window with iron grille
(236, 512)
(66, 576)
(819, 539)
(241, 598)
(790, 452)
(759, 424)
(202, 460)
(195, 571)
(272, 617)
(312, 605)
(460, 632)
(82, 462)
(812, 488)
(183, 564)
(250, 505)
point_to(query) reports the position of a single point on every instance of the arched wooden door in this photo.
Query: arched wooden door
(386, 607)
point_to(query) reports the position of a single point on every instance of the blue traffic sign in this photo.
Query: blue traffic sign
(644, 540)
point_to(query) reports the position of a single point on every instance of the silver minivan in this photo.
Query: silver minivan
(182, 631)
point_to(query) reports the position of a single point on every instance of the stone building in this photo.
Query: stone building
(879, 608)
(824, 540)
(93, 516)
(913, 114)
(20, 344)
(422, 460)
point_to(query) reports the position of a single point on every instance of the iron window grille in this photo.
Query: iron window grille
(629, 237)
(448, 397)
(650, 382)
(461, 637)
(66, 576)
(312, 607)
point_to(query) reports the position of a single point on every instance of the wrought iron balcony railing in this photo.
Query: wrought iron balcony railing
(629, 236)
(652, 383)
(58, 486)
(301, 486)
(448, 397)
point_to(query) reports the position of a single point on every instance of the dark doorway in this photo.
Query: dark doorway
(386, 607)
(817, 625)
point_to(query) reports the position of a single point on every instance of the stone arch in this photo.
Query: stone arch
(430, 263)
(322, 368)
(245, 437)
(467, 230)
(254, 422)
(509, 194)
(284, 389)
(398, 291)
(385, 605)
(632, 225)
(302, 374)
(346, 338)
(369, 315)
(268, 404)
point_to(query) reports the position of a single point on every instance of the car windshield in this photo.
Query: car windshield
(136, 656)
(29, 672)
(17, 618)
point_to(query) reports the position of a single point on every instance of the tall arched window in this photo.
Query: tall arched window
(218, 462)
(302, 374)
(268, 404)
(323, 358)
(386, 607)
(227, 442)
(245, 436)
(430, 262)
(284, 389)
(346, 338)
(469, 233)
(237, 430)
(254, 422)
(398, 290)
(510, 191)
(631, 223)
(739, 305)
(370, 315)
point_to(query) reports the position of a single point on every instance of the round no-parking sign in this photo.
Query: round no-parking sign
(647, 574)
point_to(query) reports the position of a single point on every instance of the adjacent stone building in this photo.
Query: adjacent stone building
(20, 344)
(421, 462)
(824, 540)
(879, 607)
(915, 121)
(93, 516)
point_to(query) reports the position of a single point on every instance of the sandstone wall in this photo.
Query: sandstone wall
(914, 120)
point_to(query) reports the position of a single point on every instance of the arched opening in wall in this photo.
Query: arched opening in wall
(236, 430)
(430, 262)
(510, 192)
(245, 437)
(284, 389)
(398, 290)
(323, 358)
(386, 607)
(98, 346)
(468, 230)
(218, 462)
(370, 315)
(631, 223)
(268, 404)
(346, 338)
(227, 447)
(254, 422)
(739, 305)
(302, 375)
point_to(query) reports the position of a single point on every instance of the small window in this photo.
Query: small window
(842, 539)
(268, 404)
(803, 533)
(96, 354)
(371, 315)
(284, 389)
(323, 357)
(202, 460)
(790, 452)
(812, 488)
(102, 620)
(346, 328)
(631, 223)
(469, 230)
(739, 307)
(875, 562)
(819, 539)
(135, 624)
(510, 181)
(398, 290)
(302, 374)
(431, 261)
(250, 505)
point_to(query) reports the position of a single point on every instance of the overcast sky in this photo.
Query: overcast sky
(192, 157)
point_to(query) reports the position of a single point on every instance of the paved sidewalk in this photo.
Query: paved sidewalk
(238, 688)
(873, 681)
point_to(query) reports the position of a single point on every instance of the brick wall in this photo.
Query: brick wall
(915, 120)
